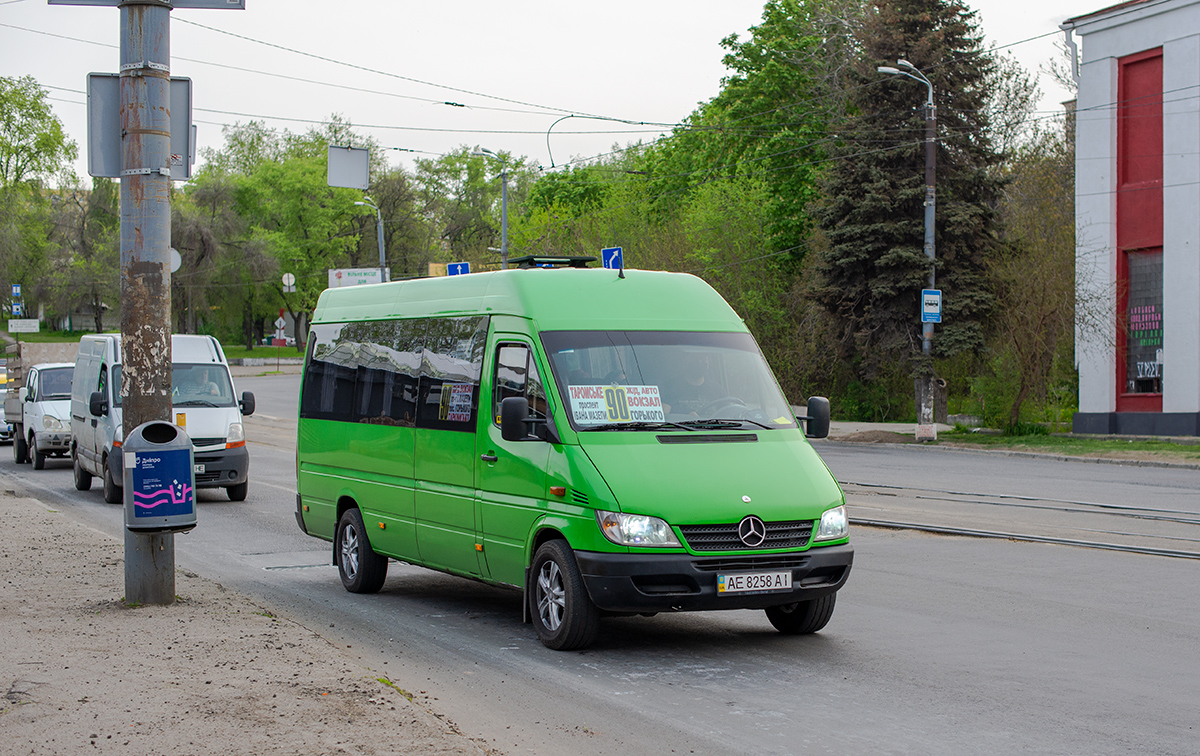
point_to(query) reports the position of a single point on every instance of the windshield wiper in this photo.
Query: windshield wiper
(638, 425)
(196, 403)
(715, 422)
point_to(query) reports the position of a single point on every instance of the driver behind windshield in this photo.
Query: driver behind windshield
(692, 389)
(201, 384)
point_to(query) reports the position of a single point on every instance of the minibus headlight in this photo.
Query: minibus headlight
(635, 530)
(236, 433)
(52, 423)
(833, 525)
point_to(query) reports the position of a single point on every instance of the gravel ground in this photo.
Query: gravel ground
(214, 673)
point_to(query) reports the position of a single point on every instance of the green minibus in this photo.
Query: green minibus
(609, 443)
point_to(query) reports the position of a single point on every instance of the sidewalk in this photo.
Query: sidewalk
(214, 673)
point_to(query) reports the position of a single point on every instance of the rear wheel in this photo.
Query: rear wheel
(20, 449)
(361, 569)
(112, 492)
(238, 492)
(83, 478)
(564, 616)
(39, 459)
(803, 617)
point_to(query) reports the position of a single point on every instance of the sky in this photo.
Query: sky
(424, 78)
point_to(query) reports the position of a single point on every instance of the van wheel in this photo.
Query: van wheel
(803, 617)
(83, 478)
(112, 492)
(39, 459)
(564, 616)
(238, 492)
(20, 449)
(361, 569)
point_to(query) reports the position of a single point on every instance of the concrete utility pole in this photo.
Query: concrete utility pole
(146, 264)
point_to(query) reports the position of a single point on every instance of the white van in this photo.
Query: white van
(205, 406)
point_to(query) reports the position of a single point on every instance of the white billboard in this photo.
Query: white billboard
(339, 277)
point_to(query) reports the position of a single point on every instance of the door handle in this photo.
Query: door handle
(489, 457)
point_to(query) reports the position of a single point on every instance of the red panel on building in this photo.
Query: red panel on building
(1139, 230)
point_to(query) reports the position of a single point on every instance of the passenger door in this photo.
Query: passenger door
(444, 468)
(511, 478)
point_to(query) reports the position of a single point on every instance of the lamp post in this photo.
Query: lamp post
(484, 152)
(367, 202)
(925, 401)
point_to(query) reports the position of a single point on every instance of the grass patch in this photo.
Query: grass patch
(1129, 448)
(50, 337)
(237, 352)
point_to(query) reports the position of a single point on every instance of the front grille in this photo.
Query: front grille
(208, 441)
(208, 477)
(793, 534)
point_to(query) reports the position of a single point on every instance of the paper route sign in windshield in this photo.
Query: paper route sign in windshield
(592, 405)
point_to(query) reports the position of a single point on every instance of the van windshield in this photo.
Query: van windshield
(204, 385)
(55, 383)
(630, 380)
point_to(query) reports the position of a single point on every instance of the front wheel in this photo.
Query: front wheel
(20, 449)
(39, 459)
(83, 478)
(361, 569)
(112, 492)
(238, 492)
(803, 617)
(564, 616)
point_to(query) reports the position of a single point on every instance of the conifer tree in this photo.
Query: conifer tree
(873, 266)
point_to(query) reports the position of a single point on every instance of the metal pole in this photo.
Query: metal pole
(930, 203)
(504, 217)
(146, 265)
(379, 233)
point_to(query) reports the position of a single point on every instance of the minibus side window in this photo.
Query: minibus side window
(451, 365)
(364, 372)
(517, 375)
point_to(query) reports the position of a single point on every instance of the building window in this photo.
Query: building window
(1144, 323)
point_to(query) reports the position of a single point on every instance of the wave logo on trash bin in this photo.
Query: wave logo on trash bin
(178, 493)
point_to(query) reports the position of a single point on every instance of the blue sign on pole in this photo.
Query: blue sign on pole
(458, 269)
(16, 291)
(611, 258)
(931, 305)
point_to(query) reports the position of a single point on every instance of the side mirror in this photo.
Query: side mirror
(97, 404)
(514, 412)
(817, 420)
(25, 395)
(247, 404)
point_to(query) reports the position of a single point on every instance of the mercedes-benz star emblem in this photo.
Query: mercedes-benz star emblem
(752, 531)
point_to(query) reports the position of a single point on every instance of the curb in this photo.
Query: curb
(1032, 455)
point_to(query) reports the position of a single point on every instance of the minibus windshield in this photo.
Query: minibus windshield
(665, 380)
(204, 385)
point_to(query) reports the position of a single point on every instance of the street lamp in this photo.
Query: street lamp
(909, 70)
(484, 152)
(367, 202)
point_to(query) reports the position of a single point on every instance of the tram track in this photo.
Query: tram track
(1024, 518)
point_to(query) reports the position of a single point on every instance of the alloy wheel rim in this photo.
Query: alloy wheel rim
(552, 604)
(350, 551)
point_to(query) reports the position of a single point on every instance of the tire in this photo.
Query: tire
(564, 616)
(83, 478)
(112, 492)
(20, 449)
(803, 617)
(238, 492)
(39, 459)
(361, 569)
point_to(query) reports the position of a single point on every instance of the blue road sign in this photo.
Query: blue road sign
(611, 257)
(458, 269)
(17, 310)
(16, 291)
(931, 306)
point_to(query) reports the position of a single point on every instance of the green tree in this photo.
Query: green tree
(32, 143)
(86, 272)
(872, 265)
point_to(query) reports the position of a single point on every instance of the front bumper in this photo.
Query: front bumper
(225, 467)
(687, 582)
(56, 442)
(6, 431)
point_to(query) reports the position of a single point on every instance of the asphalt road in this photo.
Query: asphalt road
(939, 645)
